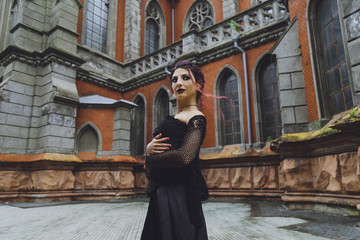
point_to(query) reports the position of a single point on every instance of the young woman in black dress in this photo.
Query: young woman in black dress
(176, 185)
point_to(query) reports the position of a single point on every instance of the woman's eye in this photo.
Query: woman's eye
(186, 77)
(174, 80)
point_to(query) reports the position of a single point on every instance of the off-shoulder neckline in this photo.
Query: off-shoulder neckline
(198, 115)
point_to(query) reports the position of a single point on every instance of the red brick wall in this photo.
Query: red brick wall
(299, 8)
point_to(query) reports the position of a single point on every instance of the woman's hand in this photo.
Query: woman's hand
(157, 145)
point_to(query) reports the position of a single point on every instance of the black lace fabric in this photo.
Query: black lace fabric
(184, 155)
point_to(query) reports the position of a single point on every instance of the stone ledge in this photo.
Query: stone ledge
(339, 135)
(328, 199)
(52, 196)
(39, 157)
(245, 193)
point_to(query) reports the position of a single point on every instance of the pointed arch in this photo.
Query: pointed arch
(200, 15)
(88, 138)
(138, 126)
(267, 98)
(229, 128)
(155, 29)
(330, 68)
(161, 105)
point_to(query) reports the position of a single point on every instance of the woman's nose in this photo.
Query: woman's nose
(179, 83)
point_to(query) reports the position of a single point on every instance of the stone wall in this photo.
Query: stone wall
(47, 180)
(294, 112)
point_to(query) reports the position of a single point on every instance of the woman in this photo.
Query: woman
(176, 185)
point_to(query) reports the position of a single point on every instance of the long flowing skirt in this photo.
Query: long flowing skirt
(168, 216)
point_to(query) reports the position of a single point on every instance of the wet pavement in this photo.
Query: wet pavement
(226, 220)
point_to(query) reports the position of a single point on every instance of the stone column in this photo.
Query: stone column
(122, 127)
(132, 30)
(189, 41)
(294, 113)
(230, 8)
(38, 95)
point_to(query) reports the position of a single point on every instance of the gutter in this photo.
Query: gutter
(235, 39)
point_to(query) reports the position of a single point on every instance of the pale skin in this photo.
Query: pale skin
(185, 89)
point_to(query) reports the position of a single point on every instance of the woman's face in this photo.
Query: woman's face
(183, 84)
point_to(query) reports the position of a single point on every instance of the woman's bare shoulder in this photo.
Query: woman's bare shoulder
(192, 114)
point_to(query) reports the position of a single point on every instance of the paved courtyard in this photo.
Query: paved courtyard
(124, 220)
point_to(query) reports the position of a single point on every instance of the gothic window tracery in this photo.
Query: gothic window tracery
(153, 23)
(200, 16)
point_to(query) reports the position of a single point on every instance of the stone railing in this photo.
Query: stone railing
(262, 15)
(156, 59)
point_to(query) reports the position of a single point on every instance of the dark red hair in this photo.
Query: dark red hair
(197, 73)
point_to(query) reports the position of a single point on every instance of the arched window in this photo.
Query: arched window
(97, 24)
(331, 66)
(269, 100)
(138, 128)
(200, 16)
(152, 36)
(153, 23)
(87, 140)
(230, 122)
(161, 107)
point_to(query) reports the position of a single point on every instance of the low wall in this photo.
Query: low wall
(46, 180)
(320, 169)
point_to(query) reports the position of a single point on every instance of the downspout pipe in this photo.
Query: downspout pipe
(235, 39)
(166, 66)
(172, 21)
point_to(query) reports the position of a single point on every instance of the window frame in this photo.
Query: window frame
(134, 139)
(156, 118)
(161, 25)
(265, 59)
(318, 63)
(219, 131)
(111, 28)
(191, 8)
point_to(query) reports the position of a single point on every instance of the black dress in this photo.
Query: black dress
(176, 185)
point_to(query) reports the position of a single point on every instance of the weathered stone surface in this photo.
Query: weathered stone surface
(52, 180)
(296, 174)
(12, 180)
(217, 177)
(264, 177)
(108, 180)
(349, 165)
(326, 173)
(37, 180)
(140, 180)
(240, 178)
(309, 174)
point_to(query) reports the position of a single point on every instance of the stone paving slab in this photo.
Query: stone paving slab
(124, 221)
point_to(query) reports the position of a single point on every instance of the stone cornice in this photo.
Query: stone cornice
(50, 55)
(219, 52)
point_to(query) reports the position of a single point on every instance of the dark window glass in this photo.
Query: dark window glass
(96, 24)
(231, 122)
(137, 128)
(152, 36)
(270, 106)
(336, 71)
(161, 106)
(324, 14)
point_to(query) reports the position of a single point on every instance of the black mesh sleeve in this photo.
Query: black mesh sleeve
(194, 135)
